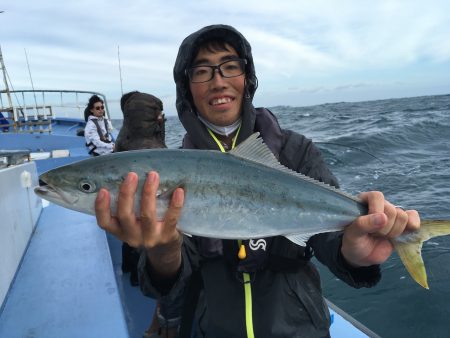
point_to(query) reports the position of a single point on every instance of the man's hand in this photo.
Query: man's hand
(160, 238)
(366, 241)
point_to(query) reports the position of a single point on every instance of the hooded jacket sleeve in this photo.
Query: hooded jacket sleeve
(301, 155)
(170, 294)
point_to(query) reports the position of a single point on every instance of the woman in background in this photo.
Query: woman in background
(98, 129)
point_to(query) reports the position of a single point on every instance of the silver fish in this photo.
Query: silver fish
(243, 194)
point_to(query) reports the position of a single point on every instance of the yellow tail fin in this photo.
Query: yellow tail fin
(409, 248)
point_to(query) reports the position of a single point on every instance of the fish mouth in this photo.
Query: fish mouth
(53, 194)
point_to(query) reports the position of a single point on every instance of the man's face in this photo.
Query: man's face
(219, 100)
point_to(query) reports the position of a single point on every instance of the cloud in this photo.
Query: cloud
(296, 44)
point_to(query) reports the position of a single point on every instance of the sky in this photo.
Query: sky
(305, 52)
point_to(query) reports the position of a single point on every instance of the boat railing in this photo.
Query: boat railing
(34, 111)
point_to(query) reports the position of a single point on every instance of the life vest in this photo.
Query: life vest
(103, 137)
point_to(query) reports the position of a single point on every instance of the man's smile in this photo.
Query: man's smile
(221, 100)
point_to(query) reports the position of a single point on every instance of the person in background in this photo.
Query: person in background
(4, 123)
(143, 127)
(97, 132)
(274, 291)
(143, 122)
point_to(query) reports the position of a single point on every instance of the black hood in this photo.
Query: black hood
(197, 133)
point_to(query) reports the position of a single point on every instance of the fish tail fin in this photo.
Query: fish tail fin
(410, 250)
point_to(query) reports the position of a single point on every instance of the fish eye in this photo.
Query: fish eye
(87, 186)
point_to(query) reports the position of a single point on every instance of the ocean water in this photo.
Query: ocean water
(402, 148)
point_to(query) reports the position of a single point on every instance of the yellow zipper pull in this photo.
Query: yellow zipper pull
(242, 254)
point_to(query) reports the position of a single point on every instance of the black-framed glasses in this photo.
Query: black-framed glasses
(205, 73)
(99, 107)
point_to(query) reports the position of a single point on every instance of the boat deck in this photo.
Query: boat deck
(66, 285)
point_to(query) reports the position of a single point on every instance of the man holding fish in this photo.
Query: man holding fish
(263, 287)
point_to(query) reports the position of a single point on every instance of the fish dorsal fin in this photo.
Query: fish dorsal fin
(254, 149)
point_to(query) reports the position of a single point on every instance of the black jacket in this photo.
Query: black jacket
(285, 287)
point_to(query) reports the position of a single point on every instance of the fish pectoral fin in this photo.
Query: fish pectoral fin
(410, 252)
(167, 194)
(411, 256)
(299, 239)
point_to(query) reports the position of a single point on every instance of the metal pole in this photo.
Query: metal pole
(120, 70)
(2, 65)
(36, 112)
